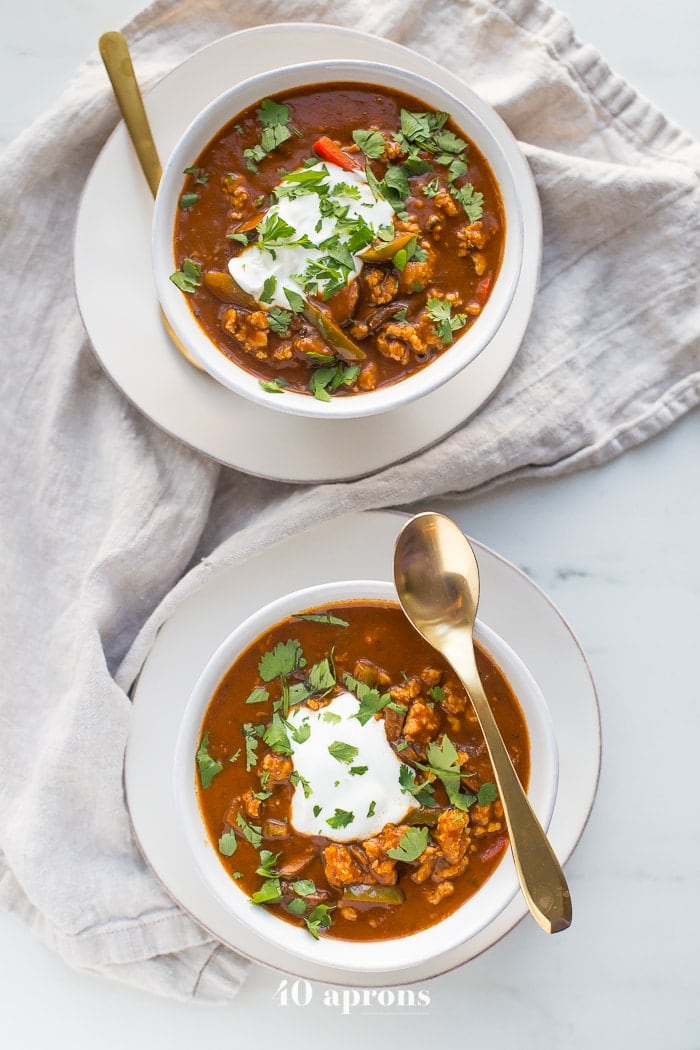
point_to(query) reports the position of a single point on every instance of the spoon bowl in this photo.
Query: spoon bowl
(437, 581)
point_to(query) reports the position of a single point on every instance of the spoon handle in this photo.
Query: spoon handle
(117, 60)
(541, 877)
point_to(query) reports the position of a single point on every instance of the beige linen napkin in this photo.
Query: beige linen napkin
(103, 514)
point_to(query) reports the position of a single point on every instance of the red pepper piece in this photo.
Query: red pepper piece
(484, 287)
(495, 848)
(327, 150)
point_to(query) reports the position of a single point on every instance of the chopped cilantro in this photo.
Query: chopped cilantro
(274, 386)
(471, 201)
(258, 696)
(296, 778)
(208, 767)
(371, 143)
(322, 617)
(440, 313)
(341, 818)
(331, 717)
(200, 175)
(423, 793)
(411, 844)
(486, 793)
(251, 832)
(296, 906)
(275, 736)
(321, 677)
(304, 887)
(300, 733)
(318, 920)
(271, 113)
(188, 200)
(235, 756)
(189, 277)
(345, 753)
(296, 302)
(358, 771)
(317, 810)
(372, 807)
(268, 289)
(228, 844)
(269, 892)
(437, 693)
(370, 700)
(240, 238)
(268, 859)
(283, 659)
(279, 320)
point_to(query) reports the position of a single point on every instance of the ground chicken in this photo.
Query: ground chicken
(472, 236)
(369, 374)
(452, 702)
(452, 834)
(422, 722)
(444, 889)
(418, 273)
(249, 330)
(381, 286)
(382, 867)
(341, 868)
(251, 804)
(396, 341)
(278, 766)
(446, 202)
(427, 862)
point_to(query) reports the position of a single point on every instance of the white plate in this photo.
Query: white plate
(118, 303)
(511, 603)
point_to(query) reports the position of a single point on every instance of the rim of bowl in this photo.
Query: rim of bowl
(488, 132)
(370, 956)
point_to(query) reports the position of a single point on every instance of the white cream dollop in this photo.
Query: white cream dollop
(374, 797)
(255, 265)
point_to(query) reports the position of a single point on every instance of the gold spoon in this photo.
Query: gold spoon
(437, 580)
(117, 61)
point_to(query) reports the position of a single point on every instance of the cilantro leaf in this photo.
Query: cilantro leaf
(443, 760)
(317, 810)
(251, 735)
(282, 660)
(208, 767)
(321, 676)
(372, 807)
(370, 700)
(296, 302)
(274, 386)
(358, 771)
(296, 778)
(279, 320)
(322, 618)
(257, 696)
(275, 736)
(471, 201)
(437, 692)
(346, 753)
(300, 733)
(188, 200)
(268, 289)
(371, 143)
(251, 832)
(228, 844)
(269, 892)
(440, 313)
(268, 859)
(296, 906)
(341, 818)
(423, 793)
(271, 113)
(318, 920)
(486, 793)
(189, 277)
(304, 887)
(411, 844)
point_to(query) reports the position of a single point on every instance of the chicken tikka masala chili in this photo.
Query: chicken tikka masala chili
(338, 238)
(343, 778)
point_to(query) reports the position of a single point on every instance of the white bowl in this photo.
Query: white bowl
(489, 134)
(370, 956)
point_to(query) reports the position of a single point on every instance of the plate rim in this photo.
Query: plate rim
(444, 961)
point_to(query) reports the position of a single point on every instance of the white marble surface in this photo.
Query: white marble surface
(617, 549)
